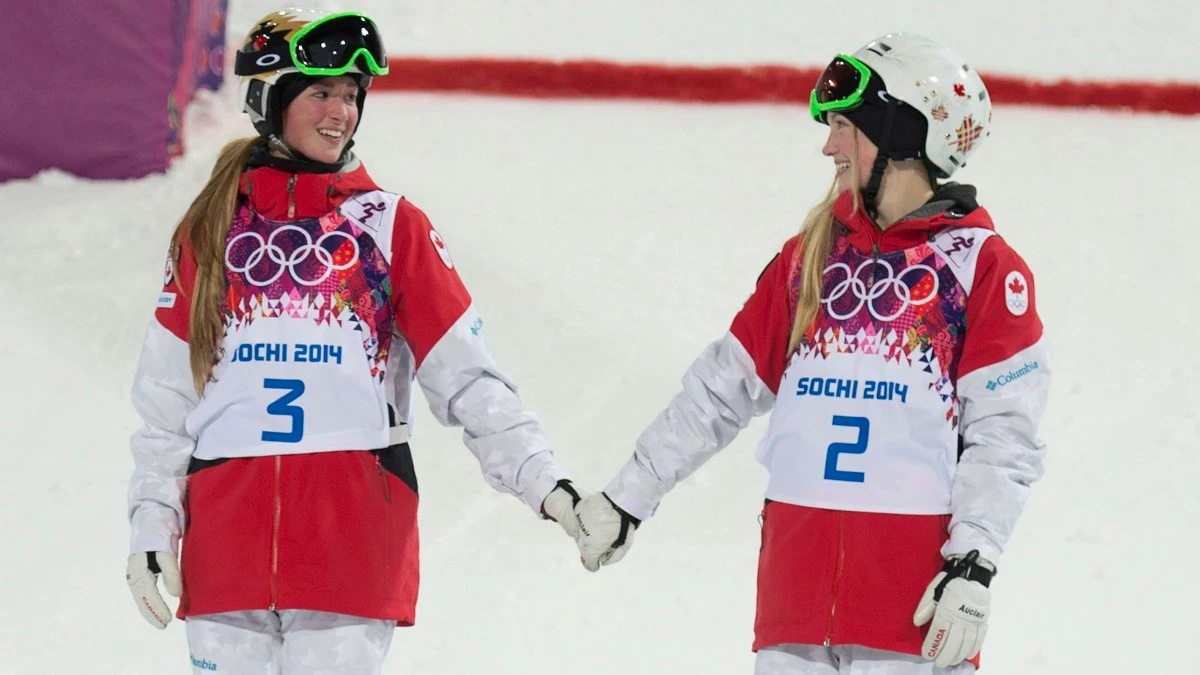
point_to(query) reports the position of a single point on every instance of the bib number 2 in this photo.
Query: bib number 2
(282, 406)
(858, 447)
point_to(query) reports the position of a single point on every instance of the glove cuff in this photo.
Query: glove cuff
(567, 487)
(627, 521)
(971, 567)
(624, 514)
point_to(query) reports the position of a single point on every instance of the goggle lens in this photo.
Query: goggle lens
(332, 45)
(840, 86)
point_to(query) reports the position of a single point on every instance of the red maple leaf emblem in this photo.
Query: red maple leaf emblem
(960, 90)
(1016, 287)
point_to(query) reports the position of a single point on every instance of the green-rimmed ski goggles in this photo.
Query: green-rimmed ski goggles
(840, 87)
(332, 45)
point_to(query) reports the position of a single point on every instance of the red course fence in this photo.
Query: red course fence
(89, 126)
(741, 84)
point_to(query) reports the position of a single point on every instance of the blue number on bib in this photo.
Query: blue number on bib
(282, 406)
(856, 448)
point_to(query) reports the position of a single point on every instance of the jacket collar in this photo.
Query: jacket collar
(952, 206)
(284, 195)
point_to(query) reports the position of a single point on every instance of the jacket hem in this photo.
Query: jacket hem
(403, 616)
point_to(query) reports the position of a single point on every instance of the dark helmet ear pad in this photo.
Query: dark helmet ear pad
(909, 127)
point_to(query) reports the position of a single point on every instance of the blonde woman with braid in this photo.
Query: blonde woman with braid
(300, 306)
(896, 343)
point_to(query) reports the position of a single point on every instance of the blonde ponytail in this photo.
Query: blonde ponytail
(817, 235)
(206, 225)
(816, 242)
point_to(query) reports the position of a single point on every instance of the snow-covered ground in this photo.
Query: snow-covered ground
(606, 244)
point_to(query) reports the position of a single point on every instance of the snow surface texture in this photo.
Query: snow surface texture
(605, 245)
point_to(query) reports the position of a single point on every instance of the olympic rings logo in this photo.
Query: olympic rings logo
(867, 295)
(289, 263)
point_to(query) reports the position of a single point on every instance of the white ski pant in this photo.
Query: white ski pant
(792, 659)
(289, 642)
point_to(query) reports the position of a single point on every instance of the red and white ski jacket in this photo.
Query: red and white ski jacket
(339, 297)
(905, 422)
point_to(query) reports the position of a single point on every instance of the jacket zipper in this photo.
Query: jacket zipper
(292, 197)
(837, 576)
(387, 491)
(387, 511)
(275, 537)
(762, 527)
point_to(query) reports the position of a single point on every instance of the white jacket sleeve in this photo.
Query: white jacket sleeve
(1004, 379)
(465, 388)
(1002, 454)
(722, 393)
(455, 367)
(163, 395)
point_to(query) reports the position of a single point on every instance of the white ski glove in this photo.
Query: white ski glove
(605, 531)
(142, 576)
(958, 602)
(559, 506)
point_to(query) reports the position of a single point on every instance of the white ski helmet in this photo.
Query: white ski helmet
(932, 80)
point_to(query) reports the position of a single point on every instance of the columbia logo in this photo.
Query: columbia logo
(1012, 376)
(203, 664)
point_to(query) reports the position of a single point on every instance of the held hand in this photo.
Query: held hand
(958, 603)
(606, 531)
(141, 574)
(559, 506)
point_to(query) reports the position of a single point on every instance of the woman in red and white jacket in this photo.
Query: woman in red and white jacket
(897, 345)
(301, 303)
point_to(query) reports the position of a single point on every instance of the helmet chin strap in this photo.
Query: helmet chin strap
(294, 160)
(871, 192)
(276, 143)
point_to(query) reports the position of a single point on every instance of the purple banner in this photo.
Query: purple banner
(103, 86)
(201, 62)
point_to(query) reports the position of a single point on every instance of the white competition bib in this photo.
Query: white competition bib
(847, 440)
(866, 415)
(307, 335)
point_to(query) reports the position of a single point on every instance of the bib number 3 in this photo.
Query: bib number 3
(858, 447)
(283, 406)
